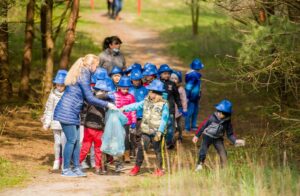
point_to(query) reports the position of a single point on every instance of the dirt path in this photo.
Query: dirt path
(32, 148)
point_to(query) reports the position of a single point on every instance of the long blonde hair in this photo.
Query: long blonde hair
(75, 70)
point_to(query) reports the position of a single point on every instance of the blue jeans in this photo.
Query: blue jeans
(170, 129)
(192, 115)
(72, 147)
(118, 6)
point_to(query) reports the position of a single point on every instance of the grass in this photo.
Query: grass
(10, 174)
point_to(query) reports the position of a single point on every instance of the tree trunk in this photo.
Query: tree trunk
(43, 17)
(5, 84)
(70, 36)
(195, 15)
(48, 6)
(29, 36)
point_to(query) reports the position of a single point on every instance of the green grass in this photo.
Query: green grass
(10, 174)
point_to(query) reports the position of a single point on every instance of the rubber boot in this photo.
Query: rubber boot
(134, 171)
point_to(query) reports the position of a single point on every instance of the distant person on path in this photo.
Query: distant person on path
(110, 8)
(117, 9)
(111, 55)
(68, 109)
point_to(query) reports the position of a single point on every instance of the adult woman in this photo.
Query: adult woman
(68, 109)
(111, 55)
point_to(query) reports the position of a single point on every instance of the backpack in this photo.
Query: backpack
(215, 130)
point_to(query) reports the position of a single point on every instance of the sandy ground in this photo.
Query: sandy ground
(26, 144)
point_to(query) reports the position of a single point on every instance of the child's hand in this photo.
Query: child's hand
(239, 143)
(122, 109)
(195, 139)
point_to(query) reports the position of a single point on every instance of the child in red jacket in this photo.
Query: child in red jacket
(122, 98)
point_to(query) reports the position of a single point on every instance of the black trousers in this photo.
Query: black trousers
(219, 146)
(127, 137)
(146, 140)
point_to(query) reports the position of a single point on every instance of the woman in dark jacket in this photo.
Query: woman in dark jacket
(67, 111)
(111, 55)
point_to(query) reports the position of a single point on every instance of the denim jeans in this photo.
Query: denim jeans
(191, 119)
(72, 147)
(118, 6)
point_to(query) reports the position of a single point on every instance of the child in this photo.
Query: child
(173, 98)
(193, 92)
(122, 98)
(116, 74)
(176, 77)
(94, 125)
(127, 72)
(213, 130)
(149, 73)
(48, 122)
(139, 92)
(154, 122)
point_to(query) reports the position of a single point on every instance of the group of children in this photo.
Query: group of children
(157, 107)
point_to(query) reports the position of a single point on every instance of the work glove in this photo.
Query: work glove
(112, 106)
(133, 128)
(195, 139)
(157, 136)
(239, 143)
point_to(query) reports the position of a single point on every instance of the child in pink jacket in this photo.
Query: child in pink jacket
(176, 77)
(122, 98)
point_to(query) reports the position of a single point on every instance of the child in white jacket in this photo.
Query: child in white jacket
(48, 122)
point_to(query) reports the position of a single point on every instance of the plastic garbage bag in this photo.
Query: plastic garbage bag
(114, 133)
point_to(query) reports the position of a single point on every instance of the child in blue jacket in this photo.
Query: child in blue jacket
(139, 92)
(193, 92)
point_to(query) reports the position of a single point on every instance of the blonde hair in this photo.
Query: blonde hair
(75, 70)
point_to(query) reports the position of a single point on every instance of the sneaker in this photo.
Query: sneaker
(84, 165)
(119, 167)
(199, 168)
(159, 172)
(134, 171)
(99, 171)
(68, 173)
(56, 164)
(79, 172)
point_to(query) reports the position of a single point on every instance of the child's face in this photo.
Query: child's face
(220, 115)
(165, 75)
(124, 90)
(136, 82)
(60, 87)
(149, 78)
(174, 79)
(116, 78)
(152, 95)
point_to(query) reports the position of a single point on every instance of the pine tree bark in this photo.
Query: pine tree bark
(5, 84)
(70, 36)
(49, 44)
(24, 90)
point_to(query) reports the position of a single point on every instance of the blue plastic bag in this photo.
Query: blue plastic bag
(113, 139)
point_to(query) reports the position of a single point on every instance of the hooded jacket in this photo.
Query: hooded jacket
(126, 99)
(139, 93)
(193, 85)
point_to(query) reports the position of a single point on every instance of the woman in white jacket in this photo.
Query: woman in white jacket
(48, 122)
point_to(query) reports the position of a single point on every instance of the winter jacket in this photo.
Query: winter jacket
(70, 105)
(94, 117)
(139, 94)
(52, 101)
(225, 126)
(147, 119)
(108, 59)
(126, 99)
(193, 85)
(173, 95)
(183, 100)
